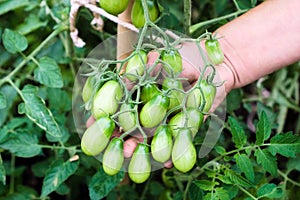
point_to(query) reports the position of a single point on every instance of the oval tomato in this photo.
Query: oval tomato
(209, 92)
(107, 99)
(161, 144)
(96, 137)
(135, 66)
(148, 91)
(175, 96)
(87, 90)
(173, 60)
(184, 152)
(127, 119)
(139, 168)
(214, 51)
(113, 157)
(114, 7)
(194, 121)
(194, 99)
(154, 111)
(137, 12)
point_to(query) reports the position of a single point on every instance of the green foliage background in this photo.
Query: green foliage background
(257, 156)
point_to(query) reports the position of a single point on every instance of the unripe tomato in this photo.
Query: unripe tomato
(148, 91)
(139, 168)
(96, 137)
(184, 152)
(127, 119)
(113, 157)
(173, 58)
(214, 51)
(154, 111)
(107, 99)
(194, 121)
(175, 96)
(194, 99)
(87, 90)
(161, 144)
(114, 7)
(137, 12)
(135, 66)
(209, 92)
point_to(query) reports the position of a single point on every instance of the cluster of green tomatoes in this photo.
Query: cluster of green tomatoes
(116, 7)
(158, 102)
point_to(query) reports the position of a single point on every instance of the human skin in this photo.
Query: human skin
(259, 42)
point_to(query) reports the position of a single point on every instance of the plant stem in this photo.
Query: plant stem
(287, 178)
(197, 26)
(246, 192)
(187, 16)
(12, 174)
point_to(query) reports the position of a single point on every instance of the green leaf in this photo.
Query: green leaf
(35, 109)
(59, 100)
(48, 73)
(195, 193)
(58, 172)
(245, 165)
(3, 101)
(10, 94)
(155, 188)
(238, 133)
(268, 162)
(220, 150)
(32, 23)
(293, 164)
(234, 99)
(284, 144)
(222, 194)
(263, 129)
(22, 144)
(13, 41)
(10, 127)
(101, 184)
(204, 184)
(6, 6)
(63, 189)
(270, 191)
(2, 172)
(236, 178)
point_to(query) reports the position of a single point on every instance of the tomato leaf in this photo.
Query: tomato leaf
(10, 94)
(284, 144)
(236, 178)
(58, 172)
(101, 184)
(222, 194)
(268, 162)
(270, 191)
(48, 73)
(263, 129)
(2, 172)
(32, 22)
(205, 184)
(6, 6)
(3, 101)
(13, 41)
(22, 144)
(35, 109)
(238, 133)
(245, 165)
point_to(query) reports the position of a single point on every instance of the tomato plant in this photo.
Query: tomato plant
(114, 7)
(138, 14)
(214, 51)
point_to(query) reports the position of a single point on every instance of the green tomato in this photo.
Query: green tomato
(174, 60)
(107, 99)
(194, 99)
(96, 137)
(194, 121)
(127, 119)
(148, 91)
(214, 51)
(139, 168)
(176, 97)
(135, 66)
(184, 152)
(114, 7)
(154, 111)
(87, 90)
(161, 144)
(209, 92)
(137, 12)
(113, 157)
